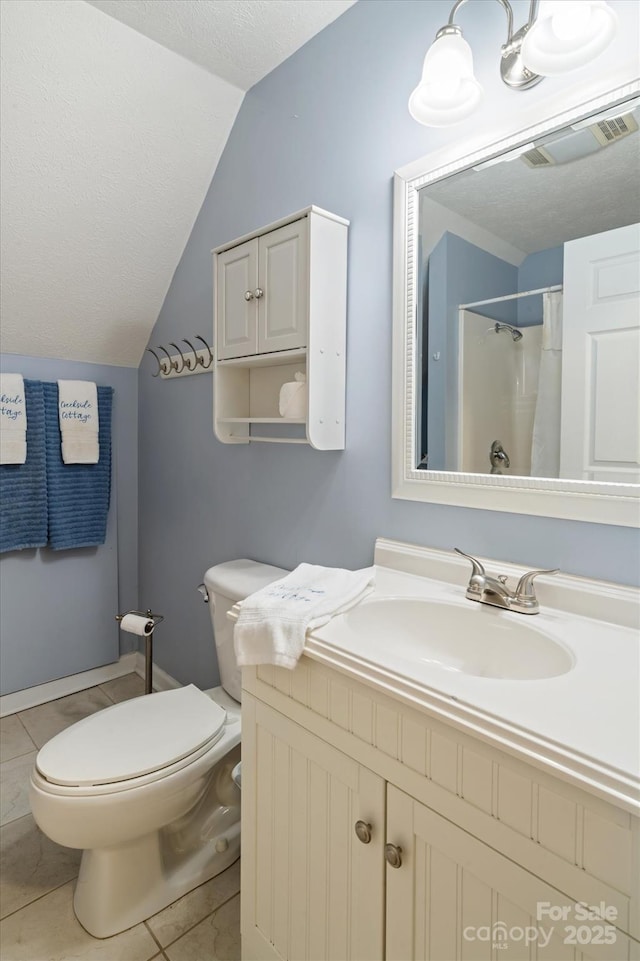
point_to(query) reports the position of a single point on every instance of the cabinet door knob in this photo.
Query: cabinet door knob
(393, 855)
(259, 292)
(248, 295)
(363, 831)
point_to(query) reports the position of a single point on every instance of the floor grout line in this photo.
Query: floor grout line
(146, 924)
(39, 898)
(195, 925)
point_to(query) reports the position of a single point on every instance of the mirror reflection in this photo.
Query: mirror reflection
(529, 309)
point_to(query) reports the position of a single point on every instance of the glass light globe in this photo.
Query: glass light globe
(570, 20)
(448, 92)
(568, 34)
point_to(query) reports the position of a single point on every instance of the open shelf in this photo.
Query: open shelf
(267, 360)
(262, 420)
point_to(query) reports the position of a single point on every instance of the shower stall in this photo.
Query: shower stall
(500, 345)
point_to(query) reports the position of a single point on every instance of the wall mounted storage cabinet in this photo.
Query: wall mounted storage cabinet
(280, 309)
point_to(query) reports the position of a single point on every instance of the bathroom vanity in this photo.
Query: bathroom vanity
(401, 803)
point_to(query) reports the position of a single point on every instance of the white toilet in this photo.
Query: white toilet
(145, 787)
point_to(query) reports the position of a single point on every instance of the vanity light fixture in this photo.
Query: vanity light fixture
(565, 35)
(568, 35)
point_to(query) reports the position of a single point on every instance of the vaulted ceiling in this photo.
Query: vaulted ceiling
(114, 117)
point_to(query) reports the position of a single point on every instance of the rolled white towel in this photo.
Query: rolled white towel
(273, 622)
(13, 420)
(78, 416)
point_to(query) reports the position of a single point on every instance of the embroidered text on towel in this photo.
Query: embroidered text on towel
(13, 420)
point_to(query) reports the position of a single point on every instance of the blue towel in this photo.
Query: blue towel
(78, 493)
(23, 487)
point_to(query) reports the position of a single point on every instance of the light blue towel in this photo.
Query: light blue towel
(78, 493)
(23, 487)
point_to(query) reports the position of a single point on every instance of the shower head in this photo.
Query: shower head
(516, 334)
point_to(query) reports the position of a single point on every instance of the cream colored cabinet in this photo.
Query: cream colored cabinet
(312, 888)
(454, 897)
(473, 854)
(261, 293)
(280, 309)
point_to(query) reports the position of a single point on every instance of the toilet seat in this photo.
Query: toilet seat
(133, 742)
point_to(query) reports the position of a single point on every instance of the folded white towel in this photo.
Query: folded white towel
(13, 420)
(78, 415)
(273, 622)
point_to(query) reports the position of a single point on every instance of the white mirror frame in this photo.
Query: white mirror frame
(617, 504)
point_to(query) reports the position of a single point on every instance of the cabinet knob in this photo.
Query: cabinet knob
(259, 292)
(248, 295)
(363, 831)
(393, 855)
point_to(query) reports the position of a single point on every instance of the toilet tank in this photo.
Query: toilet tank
(226, 584)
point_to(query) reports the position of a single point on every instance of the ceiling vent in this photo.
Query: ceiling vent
(606, 131)
(581, 142)
(538, 157)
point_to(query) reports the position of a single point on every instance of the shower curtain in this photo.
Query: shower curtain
(545, 445)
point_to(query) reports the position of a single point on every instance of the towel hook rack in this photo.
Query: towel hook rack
(206, 366)
(161, 368)
(173, 365)
(183, 363)
(196, 359)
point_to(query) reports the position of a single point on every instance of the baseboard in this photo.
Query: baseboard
(52, 690)
(161, 681)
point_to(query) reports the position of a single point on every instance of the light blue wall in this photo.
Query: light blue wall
(57, 607)
(329, 127)
(545, 268)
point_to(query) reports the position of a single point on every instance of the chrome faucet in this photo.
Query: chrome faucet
(494, 591)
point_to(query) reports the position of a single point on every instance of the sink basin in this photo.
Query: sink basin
(478, 640)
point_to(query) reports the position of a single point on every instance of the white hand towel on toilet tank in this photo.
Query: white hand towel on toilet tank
(78, 415)
(273, 622)
(13, 420)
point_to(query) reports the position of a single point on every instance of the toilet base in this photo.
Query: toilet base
(120, 887)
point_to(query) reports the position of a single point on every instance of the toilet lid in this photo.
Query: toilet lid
(131, 739)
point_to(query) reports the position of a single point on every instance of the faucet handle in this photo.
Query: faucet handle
(524, 588)
(477, 566)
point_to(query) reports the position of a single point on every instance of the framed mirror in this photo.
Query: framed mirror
(516, 379)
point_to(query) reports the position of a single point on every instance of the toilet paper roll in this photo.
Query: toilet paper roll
(135, 624)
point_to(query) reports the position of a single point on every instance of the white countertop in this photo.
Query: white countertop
(583, 724)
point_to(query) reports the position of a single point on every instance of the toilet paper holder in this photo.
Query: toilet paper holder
(154, 620)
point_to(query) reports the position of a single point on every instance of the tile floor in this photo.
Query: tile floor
(37, 877)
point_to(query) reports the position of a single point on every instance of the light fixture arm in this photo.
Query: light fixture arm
(533, 12)
(512, 70)
(503, 3)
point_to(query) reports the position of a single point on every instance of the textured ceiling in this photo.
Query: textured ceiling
(238, 40)
(535, 209)
(109, 143)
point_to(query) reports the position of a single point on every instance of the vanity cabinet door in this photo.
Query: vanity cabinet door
(453, 897)
(311, 889)
(235, 283)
